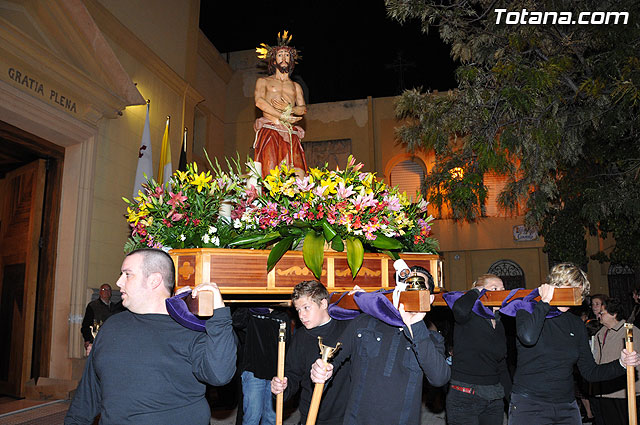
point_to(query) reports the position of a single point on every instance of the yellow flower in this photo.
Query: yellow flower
(272, 182)
(147, 222)
(367, 180)
(288, 188)
(330, 186)
(404, 199)
(134, 217)
(275, 172)
(315, 173)
(365, 190)
(140, 196)
(202, 180)
(182, 175)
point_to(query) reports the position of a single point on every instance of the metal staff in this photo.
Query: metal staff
(280, 397)
(631, 381)
(326, 353)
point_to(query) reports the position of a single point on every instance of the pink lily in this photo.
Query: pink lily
(303, 184)
(344, 192)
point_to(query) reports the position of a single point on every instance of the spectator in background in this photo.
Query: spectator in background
(610, 397)
(96, 313)
(634, 316)
(597, 300)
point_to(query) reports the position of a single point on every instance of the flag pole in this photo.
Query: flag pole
(165, 168)
(182, 163)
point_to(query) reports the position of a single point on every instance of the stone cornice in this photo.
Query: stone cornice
(111, 68)
(213, 58)
(129, 42)
(52, 73)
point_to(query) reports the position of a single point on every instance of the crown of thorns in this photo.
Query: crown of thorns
(266, 52)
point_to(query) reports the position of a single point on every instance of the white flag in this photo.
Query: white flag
(145, 162)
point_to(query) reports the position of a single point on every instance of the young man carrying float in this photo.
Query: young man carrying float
(311, 301)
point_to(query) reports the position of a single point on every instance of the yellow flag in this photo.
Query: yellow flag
(165, 169)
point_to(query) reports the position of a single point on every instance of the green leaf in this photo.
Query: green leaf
(328, 231)
(291, 231)
(337, 244)
(385, 243)
(313, 252)
(252, 239)
(355, 255)
(394, 255)
(297, 241)
(278, 251)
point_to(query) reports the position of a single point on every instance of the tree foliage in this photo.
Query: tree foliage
(553, 107)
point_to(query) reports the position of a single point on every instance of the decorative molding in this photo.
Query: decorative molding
(129, 42)
(213, 58)
(98, 88)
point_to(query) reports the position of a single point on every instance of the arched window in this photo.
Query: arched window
(409, 176)
(621, 281)
(510, 272)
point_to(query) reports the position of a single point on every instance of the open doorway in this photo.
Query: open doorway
(30, 189)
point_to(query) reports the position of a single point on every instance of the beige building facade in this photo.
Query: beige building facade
(75, 77)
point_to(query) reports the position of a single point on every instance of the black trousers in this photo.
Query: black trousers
(527, 411)
(469, 409)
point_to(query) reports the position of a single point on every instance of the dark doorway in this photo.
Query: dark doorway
(621, 283)
(26, 308)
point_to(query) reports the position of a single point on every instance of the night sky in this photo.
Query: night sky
(350, 49)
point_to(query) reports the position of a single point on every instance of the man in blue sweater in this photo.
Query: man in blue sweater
(144, 367)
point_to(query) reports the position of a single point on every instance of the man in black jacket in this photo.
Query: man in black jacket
(388, 364)
(479, 376)
(97, 312)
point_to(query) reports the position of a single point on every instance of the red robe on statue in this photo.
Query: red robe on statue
(272, 146)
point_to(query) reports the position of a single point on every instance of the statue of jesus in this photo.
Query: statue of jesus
(282, 104)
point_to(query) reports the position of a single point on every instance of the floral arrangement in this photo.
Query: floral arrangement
(180, 214)
(346, 209)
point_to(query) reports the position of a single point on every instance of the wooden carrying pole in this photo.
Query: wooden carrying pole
(631, 380)
(419, 300)
(326, 353)
(281, 346)
(202, 305)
